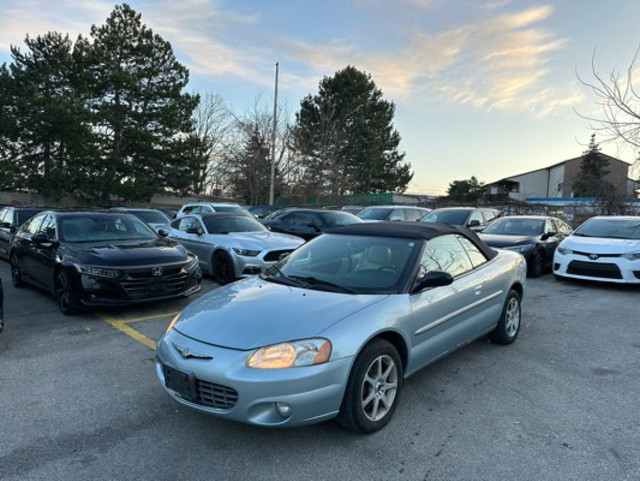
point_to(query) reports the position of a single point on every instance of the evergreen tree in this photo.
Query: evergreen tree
(470, 190)
(140, 115)
(46, 116)
(593, 170)
(346, 140)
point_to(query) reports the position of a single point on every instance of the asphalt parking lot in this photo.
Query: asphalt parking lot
(79, 400)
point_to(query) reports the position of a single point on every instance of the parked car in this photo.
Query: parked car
(377, 213)
(535, 237)
(475, 218)
(100, 259)
(155, 218)
(261, 211)
(1, 307)
(230, 246)
(11, 218)
(603, 249)
(354, 209)
(309, 223)
(334, 329)
(205, 207)
(169, 212)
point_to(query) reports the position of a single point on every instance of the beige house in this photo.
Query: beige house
(556, 181)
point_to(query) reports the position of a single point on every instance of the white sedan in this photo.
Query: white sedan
(231, 245)
(603, 249)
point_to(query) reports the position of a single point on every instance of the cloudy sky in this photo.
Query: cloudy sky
(482, 87)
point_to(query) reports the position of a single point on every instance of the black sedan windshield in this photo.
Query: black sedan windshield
(103, 228)
(151, 216)
(610, 228)
(240, 223)
(508, 226)
(374, 213)
(345, 263)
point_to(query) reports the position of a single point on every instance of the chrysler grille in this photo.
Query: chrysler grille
(215, 395)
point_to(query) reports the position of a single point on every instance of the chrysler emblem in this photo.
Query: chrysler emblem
(186, 353)
(156, 271)
(593, 257)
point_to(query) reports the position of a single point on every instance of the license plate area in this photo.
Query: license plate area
(156, 284)
(181, 382)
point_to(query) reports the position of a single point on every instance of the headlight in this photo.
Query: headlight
(98, 271)
(632, 256)
(291, 354)
(564, 251)
(192, 262)
(246, 252)
(519, 248)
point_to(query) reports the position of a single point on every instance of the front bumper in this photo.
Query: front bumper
(314, 393)
(607, 268)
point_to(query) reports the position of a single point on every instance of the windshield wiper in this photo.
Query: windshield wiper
(276, 275)
(314, 281)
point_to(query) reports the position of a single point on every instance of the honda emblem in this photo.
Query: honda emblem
(156, 271)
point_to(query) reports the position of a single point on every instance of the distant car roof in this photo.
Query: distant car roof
(411, 230)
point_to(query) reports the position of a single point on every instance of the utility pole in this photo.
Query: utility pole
(273, 141)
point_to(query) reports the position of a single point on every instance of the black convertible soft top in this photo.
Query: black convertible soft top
(412, 230)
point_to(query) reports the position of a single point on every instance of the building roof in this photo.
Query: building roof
(508, 179)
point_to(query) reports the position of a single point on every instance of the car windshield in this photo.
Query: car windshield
(451, 217)
(374, 213)
(151, 216)
(510, 226)
(347, 263)
(611, 228)
(336, 219)
(104, 228)
(224, 225)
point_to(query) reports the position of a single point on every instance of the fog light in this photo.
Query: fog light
(283, 409)
(556, 266)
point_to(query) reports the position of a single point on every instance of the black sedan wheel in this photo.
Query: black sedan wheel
(509, 324)
(536, 264)
(16, 273)
(66, 296)
(372, 392)
(222, 268)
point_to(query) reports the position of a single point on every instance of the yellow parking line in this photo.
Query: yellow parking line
(122, 326)
(145, 318)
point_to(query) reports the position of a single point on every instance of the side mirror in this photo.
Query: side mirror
(6, 225)
(162, 233)
(194, 230)
(473, 223)
(432, 279)
(41, 240)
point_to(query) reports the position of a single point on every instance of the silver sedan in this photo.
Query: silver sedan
(231, 245)
(333, 329)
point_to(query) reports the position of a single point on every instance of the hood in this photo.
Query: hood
(599, 245)
(253, 313)
(501, 240)
(266, 240)
(130, 253)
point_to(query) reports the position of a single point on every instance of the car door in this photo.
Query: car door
(45, 253)
(449, 316)
(24, 248)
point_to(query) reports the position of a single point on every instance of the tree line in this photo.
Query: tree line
(107, 118)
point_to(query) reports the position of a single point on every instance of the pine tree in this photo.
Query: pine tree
(593, 169)
(346, 140)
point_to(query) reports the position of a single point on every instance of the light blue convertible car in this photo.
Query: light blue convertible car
(333, 329)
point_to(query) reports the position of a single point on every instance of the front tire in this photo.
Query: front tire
(222, 268)
(66, 295)
(16, 273)
(509, 324)
(373, 389)
(536, 269)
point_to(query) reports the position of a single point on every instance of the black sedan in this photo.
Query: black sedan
(11, 218)
(535, 237)
(309, 223)
(100, 259)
